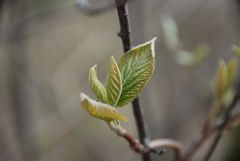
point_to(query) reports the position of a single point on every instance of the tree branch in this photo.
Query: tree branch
(168, 143)
(213, 146)
(126, 41)
(133, 143)
(225, 122)
(227, 117)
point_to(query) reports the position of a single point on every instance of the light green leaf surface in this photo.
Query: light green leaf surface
(100, 110)
(96, 86)
(232, 70)
(221, 79)
(114, 83)
(136, 68)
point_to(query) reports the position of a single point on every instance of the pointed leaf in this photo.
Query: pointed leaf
(136, 68)
(221, 79)
(100, 110)
(232, 70)
(96, 86)
(114, 83)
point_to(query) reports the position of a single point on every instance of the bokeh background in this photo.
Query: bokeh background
(47, 48)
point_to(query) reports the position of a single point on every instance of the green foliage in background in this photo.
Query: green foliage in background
(173, 43)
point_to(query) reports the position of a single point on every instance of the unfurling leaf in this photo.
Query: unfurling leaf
(136, 68)
(96, 86)
(223, 90)
(225, 77)
(232, 70)
(221, 79)
(114, 83)
(100, 110)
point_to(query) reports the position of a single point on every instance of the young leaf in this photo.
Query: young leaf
(221, 79)
(232, 70)
(100, 110)
(96, 86)
(136, 68)
(114, 83)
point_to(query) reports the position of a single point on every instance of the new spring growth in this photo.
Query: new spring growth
(224, 80)
(124, 82)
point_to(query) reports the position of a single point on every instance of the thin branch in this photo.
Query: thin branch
(227, 117)
(168, 143)
(225, 122)
(195, 146)
(134, 143)
(126, 41)
(213, 146)
(92, 10)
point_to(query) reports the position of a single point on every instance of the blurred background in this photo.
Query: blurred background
(47, 48)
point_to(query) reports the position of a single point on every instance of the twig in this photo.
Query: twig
(195, 146)
(225, 122)
(126, 41)
(134, 143)
(168, 143)
(213, 146)
(92, 10)
(227, 117)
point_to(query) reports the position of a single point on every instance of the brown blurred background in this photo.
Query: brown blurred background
(47, 47)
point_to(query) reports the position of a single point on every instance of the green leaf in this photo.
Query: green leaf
(221, 79)
(96, 86)
(136, 68)
(100, 110)
(232, 70)
(114, 83)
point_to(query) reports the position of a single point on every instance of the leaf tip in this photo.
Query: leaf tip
(152, 43)
(112, 60)
(93, 68)
(82, 97)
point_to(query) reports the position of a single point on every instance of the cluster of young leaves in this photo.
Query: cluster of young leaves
(224, 80)
(172, 41)
(124, 82)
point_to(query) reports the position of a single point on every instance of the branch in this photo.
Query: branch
(226, 118)
(92, 10)
(213, 146)
(168, 143)
(134, 143)
(126, 41)
(225, 122)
